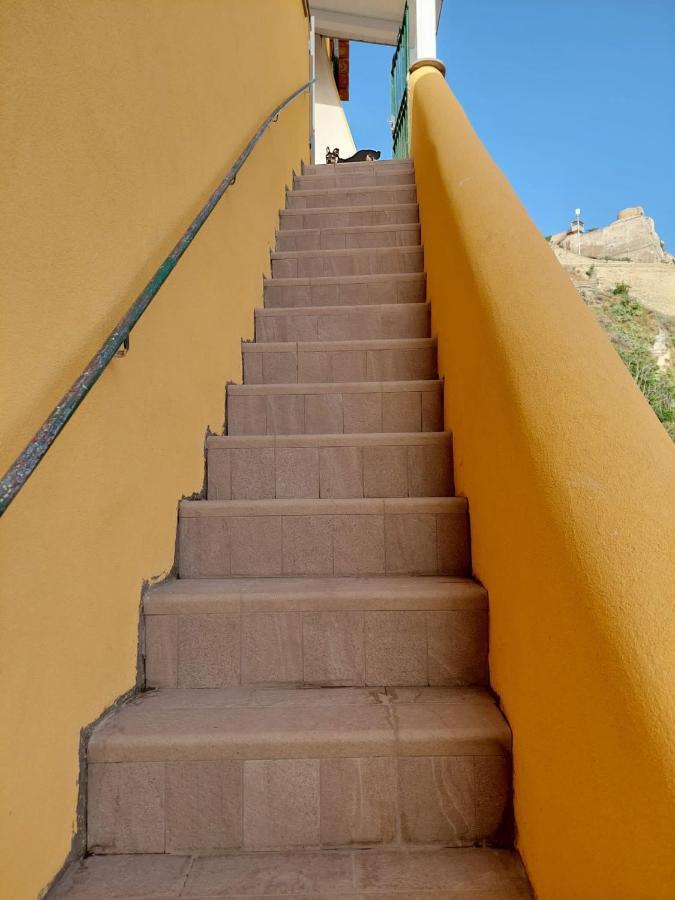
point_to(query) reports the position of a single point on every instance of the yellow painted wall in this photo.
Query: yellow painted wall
(119, 118)
(571, 487)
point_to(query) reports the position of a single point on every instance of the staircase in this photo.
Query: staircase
(321, 724)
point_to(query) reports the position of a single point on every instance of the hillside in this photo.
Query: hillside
(643, 338)
(627, 278)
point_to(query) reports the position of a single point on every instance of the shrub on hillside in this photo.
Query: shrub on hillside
(633, 330)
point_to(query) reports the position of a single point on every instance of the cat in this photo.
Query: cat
(333, 156)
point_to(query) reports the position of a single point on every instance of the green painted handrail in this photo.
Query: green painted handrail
(36, 449)
(399, 89)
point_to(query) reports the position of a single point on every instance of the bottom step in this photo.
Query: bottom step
(351, 875)
(192, 771)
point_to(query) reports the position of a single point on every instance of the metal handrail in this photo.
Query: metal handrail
(36, 449)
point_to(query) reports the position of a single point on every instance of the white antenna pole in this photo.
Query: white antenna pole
(312, 91)
(577, 213)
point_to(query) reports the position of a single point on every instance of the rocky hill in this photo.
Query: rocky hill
(632, 237)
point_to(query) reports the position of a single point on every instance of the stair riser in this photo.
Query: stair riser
(355, 180)
(348, 217)
(346, 293)
(213, 546)
(396, 321)
(381, 165)
(344, 239)
(332, 366)
(169, 806)
(328, 647)
(330, 472)
(322, 264)
(367, 412)
(351, 197)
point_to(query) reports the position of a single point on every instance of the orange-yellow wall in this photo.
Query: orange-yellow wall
(119, 118)
(571, 486)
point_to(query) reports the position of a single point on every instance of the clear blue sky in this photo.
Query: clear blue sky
(575, 100)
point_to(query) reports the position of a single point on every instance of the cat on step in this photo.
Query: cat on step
(333, 156)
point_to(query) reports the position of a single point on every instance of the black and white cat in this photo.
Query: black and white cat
(333, 156)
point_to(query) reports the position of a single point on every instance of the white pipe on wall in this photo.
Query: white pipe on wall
(424, 16)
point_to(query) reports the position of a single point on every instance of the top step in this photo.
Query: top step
(388, 165)
(338, 178)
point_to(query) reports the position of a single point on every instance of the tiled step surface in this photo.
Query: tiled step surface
(352, 196)
(359, 261)
(345, 290)
(425, 536)
(349, 216)
(349, 408)
(437, 874)
(358, 236)
(316, 631)
(332, 466)
(334, 361)
(275, 769)
(337, 177)
(343, 323)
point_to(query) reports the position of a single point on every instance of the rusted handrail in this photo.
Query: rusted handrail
(36, 449)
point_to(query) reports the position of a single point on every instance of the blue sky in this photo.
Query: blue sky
(575, 100)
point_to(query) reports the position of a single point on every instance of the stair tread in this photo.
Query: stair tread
(351, 208)
(377, 321)
(432, 874)
(348, 251)
(345, 279)
(380, 188)
(354, 179)
(352, 229)
(328, 346)
(301, 723)
(404, 439)
(353, 387)
(382, 592)
(274, 311)
(314, 507)
(377, 163)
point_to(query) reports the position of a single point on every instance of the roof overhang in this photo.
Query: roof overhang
(375, 21)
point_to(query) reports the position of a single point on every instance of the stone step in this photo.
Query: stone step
(379, 165)
(361, 261)
(422, 536)
(343, 323)
(451, 874)
(352, 196)
(281, 769)
(356, 237)
(341, 179)
(349, 216)
(291, 362)
(329, 467)
(345, 290)
(349, 408)
(214, 633)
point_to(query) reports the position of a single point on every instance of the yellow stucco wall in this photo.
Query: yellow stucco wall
(119, 118)
(570, 479)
